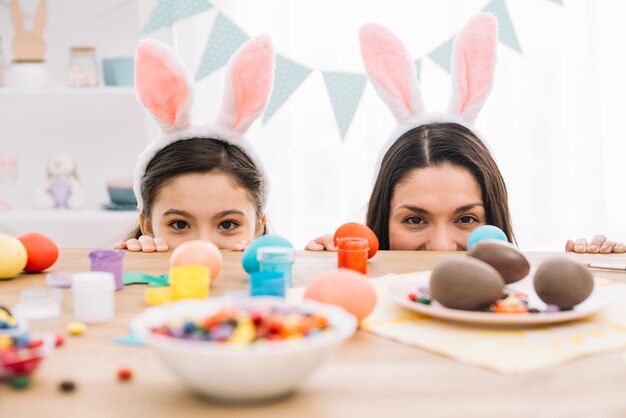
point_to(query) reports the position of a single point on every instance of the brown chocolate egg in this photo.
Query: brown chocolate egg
(563, 282)
(502, 256)
(465, 283)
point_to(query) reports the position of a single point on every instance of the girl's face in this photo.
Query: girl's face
(203, 206)
(435, 209)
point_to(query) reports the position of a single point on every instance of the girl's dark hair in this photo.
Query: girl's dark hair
(200, 155)
(432, 145)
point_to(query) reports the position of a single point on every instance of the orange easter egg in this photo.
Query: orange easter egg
(198, 253)
(42, 251)
(345, 288)
(354, 229)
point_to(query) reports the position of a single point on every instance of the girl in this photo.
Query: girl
(435, 179)
(200, 182)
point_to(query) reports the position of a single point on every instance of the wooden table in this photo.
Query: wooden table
(368, 376)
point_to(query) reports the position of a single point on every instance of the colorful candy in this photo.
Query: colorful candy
(246, 326)
(421, 296)
(67, 386)
(20, 382)
(76, 328)
(124, 374)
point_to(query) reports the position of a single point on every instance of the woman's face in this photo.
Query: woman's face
(435, 209)
(203, 206)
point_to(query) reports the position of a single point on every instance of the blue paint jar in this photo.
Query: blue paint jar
(267, 283)
(278, 259)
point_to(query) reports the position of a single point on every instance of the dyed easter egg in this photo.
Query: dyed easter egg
(42, 251)
(485, 232)
(198, 253)
(249, 260)
(13, 257)
(563, 282)
(345, 288)
(465, 283)
(357, 230)
(502, 256)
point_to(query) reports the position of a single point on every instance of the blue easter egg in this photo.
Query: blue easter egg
(249, 261)
(485, 232)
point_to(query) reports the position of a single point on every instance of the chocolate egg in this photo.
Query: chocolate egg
(502, 256)
(465, 283)
(563, 282)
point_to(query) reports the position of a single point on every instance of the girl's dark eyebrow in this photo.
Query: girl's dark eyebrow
(178, 212)
(228, 212)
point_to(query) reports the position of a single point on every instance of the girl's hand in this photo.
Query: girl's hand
(145, 244)
(325, 242)
(598, 245)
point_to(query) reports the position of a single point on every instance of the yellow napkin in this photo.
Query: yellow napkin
(506, 351)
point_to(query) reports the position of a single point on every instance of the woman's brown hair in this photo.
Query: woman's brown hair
(432, 145)
(200, 155)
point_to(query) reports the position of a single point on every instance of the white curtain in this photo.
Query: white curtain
(554, 120)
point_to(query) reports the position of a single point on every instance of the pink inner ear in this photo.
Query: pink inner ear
(251, 75)
(387, 62)
(159, 84)
(474, 59)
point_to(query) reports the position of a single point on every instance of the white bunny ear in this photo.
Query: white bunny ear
(249, 79)
(163, 85)
(391, 71)
(473, 66)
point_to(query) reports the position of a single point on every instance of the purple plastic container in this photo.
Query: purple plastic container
(111, 261)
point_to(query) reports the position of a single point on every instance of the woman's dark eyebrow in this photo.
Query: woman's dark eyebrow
(461, 209)
(467, 207)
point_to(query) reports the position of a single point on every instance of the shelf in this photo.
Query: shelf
(68, 91)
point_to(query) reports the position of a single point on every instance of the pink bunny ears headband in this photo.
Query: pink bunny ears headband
(165, 88)
(394, 78)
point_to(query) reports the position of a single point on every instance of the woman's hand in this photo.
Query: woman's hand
(145, 244)
(598, 245)
(323, 243)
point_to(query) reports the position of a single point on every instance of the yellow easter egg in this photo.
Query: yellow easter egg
(13, 257)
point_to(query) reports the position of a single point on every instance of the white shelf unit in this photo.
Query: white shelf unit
(68, 91)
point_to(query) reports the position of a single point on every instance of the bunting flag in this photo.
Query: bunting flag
(345, 91)
(418, 69)
(442, 56)
(167, 12)
(225, 39)
(506, 31)
(288, 76)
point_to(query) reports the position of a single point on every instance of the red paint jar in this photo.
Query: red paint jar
(352, 253)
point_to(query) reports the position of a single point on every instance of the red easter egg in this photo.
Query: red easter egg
(354, 229)
(198, 253)
(345, 288)
(42, 251)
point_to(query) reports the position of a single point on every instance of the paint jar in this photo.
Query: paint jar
(111, 261)
(83, 68)
(352, 253)
(94, 296)
(267, 283)
(278, 259)
(39, 303)
(190, 282)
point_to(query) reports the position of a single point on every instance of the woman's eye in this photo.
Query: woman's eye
(467, 220)
(228, 225)
(179, 225)
(414, 220)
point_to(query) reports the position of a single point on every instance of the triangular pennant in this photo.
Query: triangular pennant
(288, 75)
(443, 55)
(225, 39)
(418, 68)
(345, 91)
(507, 33)
(167, 12)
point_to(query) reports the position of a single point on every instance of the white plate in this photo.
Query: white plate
(598, 300)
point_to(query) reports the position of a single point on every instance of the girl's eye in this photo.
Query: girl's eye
(179, 225)
(414, 220)
(228, 225)
(467, 220)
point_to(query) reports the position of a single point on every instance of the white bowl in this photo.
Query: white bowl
(242, 373)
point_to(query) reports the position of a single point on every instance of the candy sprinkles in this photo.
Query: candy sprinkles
(248, 326)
